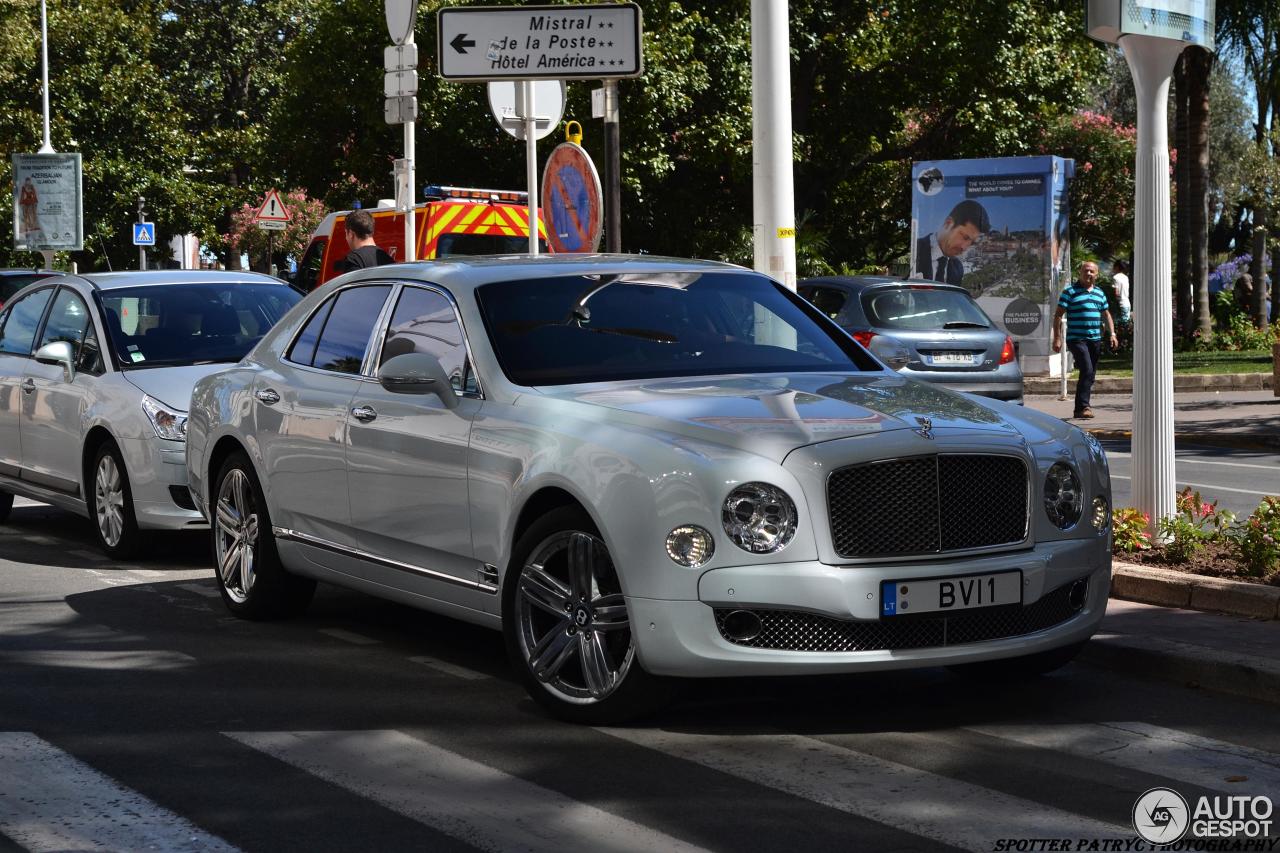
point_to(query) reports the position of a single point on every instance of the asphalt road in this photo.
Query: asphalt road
(1237, 479)
(136, 714)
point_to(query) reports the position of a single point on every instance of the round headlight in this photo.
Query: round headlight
(690, 546)
(759, 518)
(1101, 514)
(1063, 497)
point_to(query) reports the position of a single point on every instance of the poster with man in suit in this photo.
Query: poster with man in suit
(988, 225)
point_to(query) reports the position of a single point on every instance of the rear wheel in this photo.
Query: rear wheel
(111, 505)
(253, 582)
(1020, 668)
(567, 629)
(6, 505)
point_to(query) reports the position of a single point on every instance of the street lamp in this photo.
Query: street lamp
(1152, 34)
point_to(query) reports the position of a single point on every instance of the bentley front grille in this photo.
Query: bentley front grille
(928, 505)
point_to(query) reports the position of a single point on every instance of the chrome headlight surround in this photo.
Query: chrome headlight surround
(169, 423)
(690, 546)
(1063, 496)
(759, 518)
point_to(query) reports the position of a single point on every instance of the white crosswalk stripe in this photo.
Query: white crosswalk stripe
(460, 797)
(51, 801)
(947, 810)
(1152, 749)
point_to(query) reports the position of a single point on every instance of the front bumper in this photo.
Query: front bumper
(682, 638)
(154, 466)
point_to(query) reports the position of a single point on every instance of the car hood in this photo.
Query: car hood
(774, 414)
(172, 385)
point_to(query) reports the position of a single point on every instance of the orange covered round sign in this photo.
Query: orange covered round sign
(572, 203)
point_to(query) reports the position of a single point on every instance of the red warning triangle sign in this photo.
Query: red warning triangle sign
(272, 209)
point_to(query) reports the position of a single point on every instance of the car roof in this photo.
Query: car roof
(138, 278)
(859, 283)
(462, 272)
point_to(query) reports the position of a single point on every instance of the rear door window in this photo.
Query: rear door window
(349, 328)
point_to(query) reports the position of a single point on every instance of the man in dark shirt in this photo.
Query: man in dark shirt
(364, 252)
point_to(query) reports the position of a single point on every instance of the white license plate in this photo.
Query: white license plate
(951, 358)
(933, 595)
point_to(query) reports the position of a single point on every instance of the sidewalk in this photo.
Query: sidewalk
(1243, 419)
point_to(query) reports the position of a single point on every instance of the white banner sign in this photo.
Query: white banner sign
(48, 212)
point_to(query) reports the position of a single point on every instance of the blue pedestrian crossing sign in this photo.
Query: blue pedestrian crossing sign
(144, 233)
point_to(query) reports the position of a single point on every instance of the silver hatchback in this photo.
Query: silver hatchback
(643, 468)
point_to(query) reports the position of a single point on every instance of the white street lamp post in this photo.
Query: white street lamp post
(1152, 34)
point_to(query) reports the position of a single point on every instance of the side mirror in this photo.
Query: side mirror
(890, 351)
(58, 352)
(417, 373)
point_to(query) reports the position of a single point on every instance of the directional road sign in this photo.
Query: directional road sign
(587, 42)
(144, 233)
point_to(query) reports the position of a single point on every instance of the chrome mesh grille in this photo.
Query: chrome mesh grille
(799, 631)
(928, 504)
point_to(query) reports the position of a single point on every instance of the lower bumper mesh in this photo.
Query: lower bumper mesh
(798, 631)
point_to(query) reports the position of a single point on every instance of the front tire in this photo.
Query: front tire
(567, 629)
(253, 582)
(111, 505)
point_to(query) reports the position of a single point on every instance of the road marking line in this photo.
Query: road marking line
(146, 573)
(1203, 486)
(465, 799)
(51, 801)
(957, 813)
(1190, 461)
(90, 555)
(135, 660)
(1152, 749)
(350, 637)
(201, 589)
(449, 668)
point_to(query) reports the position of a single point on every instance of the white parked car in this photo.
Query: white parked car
(95, 377)
(640, 468)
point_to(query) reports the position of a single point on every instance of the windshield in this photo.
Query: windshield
(922, 308)
(181, 324)
(600, 328)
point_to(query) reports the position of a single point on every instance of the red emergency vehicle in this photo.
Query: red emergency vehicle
(451, 221)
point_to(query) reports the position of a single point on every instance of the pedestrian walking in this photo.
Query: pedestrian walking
(364, 252)
(1120, 286)
(1085, 307)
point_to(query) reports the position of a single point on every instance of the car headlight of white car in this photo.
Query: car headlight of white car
(759, 518)
(167, 422)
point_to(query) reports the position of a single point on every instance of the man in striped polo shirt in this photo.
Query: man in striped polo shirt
(1086, 309)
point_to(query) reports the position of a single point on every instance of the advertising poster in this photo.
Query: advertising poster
(47, 208)
(998, 228)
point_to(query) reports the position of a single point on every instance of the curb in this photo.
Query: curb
(1238, 441)
(1167, 588)
(1248, 676)
(1181, 382)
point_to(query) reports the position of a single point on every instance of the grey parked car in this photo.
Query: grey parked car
(949, 339)
(640, 468)
(95, 376)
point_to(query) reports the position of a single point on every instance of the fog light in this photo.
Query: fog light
(1101, 514)
(690, 546)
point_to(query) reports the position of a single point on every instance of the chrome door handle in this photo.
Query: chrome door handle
(267, 396)
(364, 414)
(28, 386)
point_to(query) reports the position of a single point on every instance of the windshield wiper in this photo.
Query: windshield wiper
(964, 324)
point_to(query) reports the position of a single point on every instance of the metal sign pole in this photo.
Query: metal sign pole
(410, 215)
(529, 113)
(47, 148)
(142, 250)
(612, 169)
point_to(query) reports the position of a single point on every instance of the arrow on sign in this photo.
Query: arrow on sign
(460, 41)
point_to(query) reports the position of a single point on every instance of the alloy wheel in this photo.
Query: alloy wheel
(108, 495)
(236, 521)
(572, 619)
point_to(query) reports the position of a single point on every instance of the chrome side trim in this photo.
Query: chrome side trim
(305, 539)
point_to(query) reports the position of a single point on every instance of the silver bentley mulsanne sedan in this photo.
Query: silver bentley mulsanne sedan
(641, 469)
